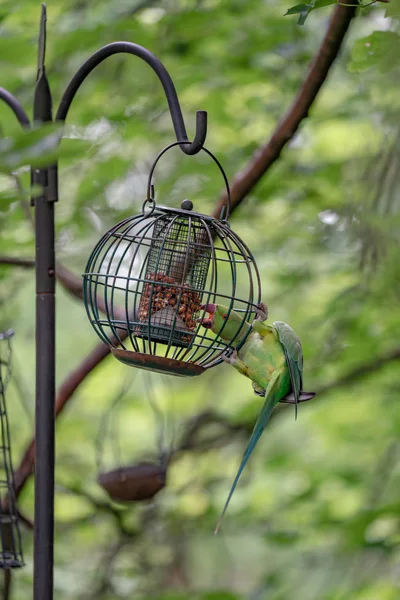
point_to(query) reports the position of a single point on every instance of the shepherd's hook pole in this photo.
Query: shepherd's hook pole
(45, 349)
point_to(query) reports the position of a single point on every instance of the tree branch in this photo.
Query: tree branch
(362, 371)
(73, 285)
(70, 282)
(7, 583)
(265, 156)
(359, 372)
(26, 263)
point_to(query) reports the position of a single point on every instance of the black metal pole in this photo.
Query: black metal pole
(45, 398)
(45, 351)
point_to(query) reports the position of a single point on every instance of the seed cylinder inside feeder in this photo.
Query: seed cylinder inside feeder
(174, 283)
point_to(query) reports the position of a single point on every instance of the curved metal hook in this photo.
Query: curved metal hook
(16, 107)
(215, 159)
(163, 75)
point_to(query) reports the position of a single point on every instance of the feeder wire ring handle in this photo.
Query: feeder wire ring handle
(226, 210)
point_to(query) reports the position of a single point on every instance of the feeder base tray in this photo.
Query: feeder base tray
(135, 483)
(159, 364)
(9, 561)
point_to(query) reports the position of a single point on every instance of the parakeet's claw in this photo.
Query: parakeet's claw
(259, 391)
(229, 356)
(304, 397)
(261, 312)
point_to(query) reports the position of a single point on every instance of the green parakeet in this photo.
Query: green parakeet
(271, 357)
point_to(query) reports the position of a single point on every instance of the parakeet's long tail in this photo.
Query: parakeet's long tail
(259, 427)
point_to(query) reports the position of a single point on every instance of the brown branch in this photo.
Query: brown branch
(25, 521)
(7, 583)
(352, 376)
(265, 156)
(26, 263)
(195, 425)
(70, 282)
(362, 371)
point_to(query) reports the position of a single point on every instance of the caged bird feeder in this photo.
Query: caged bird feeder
(149, 277)
(134, 483)
(10, 537)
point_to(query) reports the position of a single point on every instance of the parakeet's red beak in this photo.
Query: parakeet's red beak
(208, 322)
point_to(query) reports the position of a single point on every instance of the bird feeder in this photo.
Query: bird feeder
(135, 483)
(149, 277)
(10, 537)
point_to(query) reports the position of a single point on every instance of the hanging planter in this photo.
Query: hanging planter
(135, 483)
(155, 272)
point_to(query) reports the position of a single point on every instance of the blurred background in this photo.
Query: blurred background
(317, 512)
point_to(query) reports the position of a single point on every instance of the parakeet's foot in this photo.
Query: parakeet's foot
(262, 312)
(303, 397)
(258, 390)
(229, 358)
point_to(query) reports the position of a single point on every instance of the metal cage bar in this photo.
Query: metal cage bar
(10, 537)
(161, 265)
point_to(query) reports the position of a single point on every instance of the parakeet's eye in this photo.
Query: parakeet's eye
(224, 316)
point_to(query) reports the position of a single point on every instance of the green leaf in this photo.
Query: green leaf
(37, 147)
(322, 3)
(299, 8)
(393, 10)
(303, 10)
(379, 50)
(302, 18)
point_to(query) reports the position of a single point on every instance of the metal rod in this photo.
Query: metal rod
(164, 77)
(15, 106)
(150, 186)
(45, 351)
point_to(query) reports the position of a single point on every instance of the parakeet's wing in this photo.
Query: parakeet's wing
(271, 399)
(294, 356)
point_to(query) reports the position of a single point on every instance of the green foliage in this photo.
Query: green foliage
(38, 147)
(377, 50)
(317, 515)
(303, 10)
